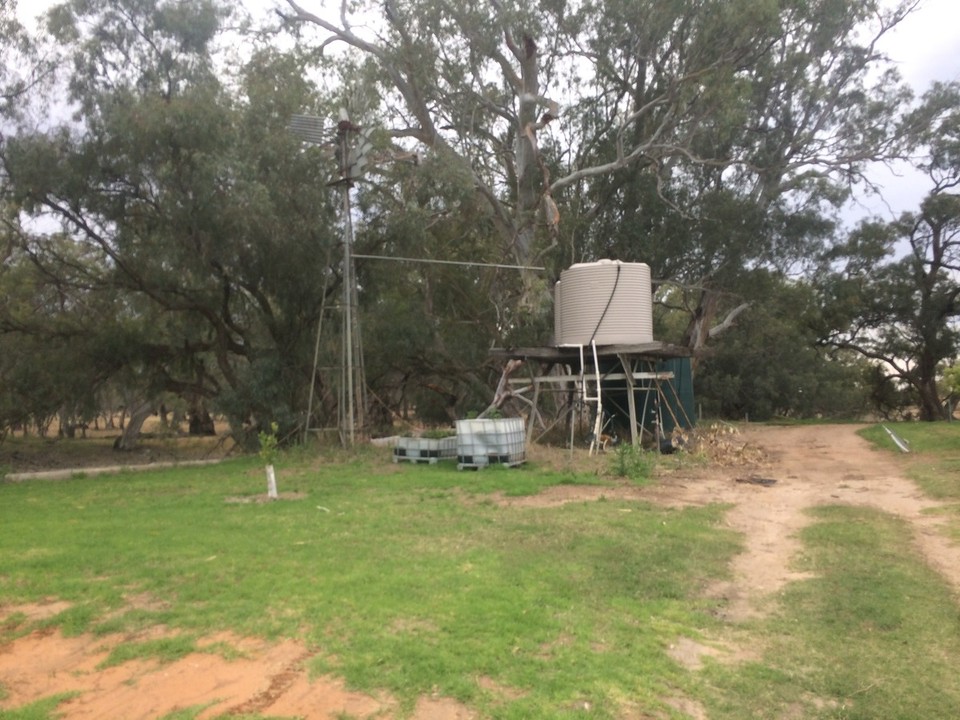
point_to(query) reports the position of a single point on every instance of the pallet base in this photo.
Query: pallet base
(416, 460)
(468, 463)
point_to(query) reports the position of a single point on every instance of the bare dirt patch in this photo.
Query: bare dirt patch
(271, 679)
(265, 678)
(807, 466)
(812, 466)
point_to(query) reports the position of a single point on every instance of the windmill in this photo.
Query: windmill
(354, 147)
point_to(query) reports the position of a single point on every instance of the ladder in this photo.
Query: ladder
(595, 441)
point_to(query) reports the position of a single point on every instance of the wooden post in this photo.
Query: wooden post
(631, 400)
(533, 409)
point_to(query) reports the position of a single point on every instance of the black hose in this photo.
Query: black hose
(613, 292)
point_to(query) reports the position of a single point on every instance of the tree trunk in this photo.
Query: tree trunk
(201, 423)
(930, 407)
(503, 392)
(271, 483)
(131, 433)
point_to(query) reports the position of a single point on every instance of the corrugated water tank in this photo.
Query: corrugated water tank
(608, 301)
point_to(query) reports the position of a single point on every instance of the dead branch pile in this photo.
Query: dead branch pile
(723, 444)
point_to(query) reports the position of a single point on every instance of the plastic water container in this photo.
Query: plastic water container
(491, 441)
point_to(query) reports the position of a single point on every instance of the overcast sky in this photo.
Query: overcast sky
(926, 48)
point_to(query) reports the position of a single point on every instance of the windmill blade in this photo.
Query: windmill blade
(309, 128)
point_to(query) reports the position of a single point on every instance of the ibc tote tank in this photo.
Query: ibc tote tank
(608, 301)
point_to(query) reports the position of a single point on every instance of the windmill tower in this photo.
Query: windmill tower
(353, 146)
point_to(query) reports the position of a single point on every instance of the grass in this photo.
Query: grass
(44, 709)
(934, 458)
(408, 578)
(166, 649)
(413, 579)
(933, 462)
(874, 634)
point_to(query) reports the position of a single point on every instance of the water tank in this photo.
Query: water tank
(608, 301)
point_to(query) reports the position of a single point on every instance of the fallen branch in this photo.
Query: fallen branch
(503, 392)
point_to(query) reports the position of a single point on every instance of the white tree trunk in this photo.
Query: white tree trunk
(131, 433)
(271, 483)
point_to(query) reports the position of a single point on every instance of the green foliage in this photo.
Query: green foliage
(22, 65)
(707, 138)
(266, 389)
(57, 346)
(901, 314)
(902, 311)
(432, 324)
(438, 433)
(767, 364)
(705, 227)
(198, 227)
(632, 462)
(269, 444)
(951, 379)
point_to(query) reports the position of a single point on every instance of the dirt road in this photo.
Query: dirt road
(812, 465)
(772, 475)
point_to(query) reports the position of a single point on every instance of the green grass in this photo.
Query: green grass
(933, 462)
(167, 649)
(45, 709)
(404, 578)
(874, 634)
(934, 459)
(412, 579)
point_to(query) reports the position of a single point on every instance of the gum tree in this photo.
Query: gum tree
(896, 297)
(587, 128)
(201, 214)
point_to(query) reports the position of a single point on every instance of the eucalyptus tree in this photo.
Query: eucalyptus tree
(206, 219)
(902, 313)
(24, 68)
(892, 292)
(480, 85)
(589, 127)
(429, 325)
(790, 127)
(54, 340)
(770, 363)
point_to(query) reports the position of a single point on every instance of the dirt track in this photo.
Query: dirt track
(808, 466)
(816, 465)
